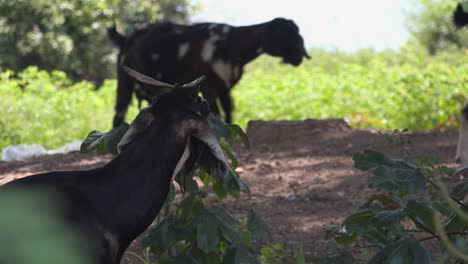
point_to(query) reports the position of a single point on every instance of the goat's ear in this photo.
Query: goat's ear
(212, 157)
(138, 126)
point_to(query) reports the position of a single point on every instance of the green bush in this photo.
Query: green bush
(48, 109)
(372, 90)
(386, 90)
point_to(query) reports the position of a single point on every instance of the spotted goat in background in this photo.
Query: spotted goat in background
(460, 17)
(176, 53)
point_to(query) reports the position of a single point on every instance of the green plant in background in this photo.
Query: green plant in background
(370, 89)
(396, 224)
(49, 109)
(431, 25)
(32, 231)
(194, 232)
(64, 34)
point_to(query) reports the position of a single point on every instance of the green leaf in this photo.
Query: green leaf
(240, 254)
(422, 213)
(202, 257)
(387, 201)
(359, 222)
(368, 159)
(162, 236)
(406, 250)
(360, 217)
(257, 227)
(398, 178)
(239, 181)
(104, 143)
(456, 224)
(387, 218)
(207, 232)
(460, 190)
(227, 224)
(228, 150)
(237, 130)
(390, 175)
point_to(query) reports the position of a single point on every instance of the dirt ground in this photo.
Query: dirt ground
(300, 173)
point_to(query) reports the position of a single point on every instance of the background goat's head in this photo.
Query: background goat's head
(282, 39)
(183, 113)
(460, 16)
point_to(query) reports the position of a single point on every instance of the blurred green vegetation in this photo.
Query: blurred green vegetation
(33, 232)
(383, 90)
(431, 25)
(49, 109)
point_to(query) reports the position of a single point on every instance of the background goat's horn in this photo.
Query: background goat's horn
(145, 79)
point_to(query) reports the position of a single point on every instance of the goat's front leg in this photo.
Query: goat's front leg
(124, 95)
(226, 103)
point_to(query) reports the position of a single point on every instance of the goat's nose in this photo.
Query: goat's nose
(458, 160)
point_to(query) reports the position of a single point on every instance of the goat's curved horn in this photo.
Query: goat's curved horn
(195, 83)
(146, 79)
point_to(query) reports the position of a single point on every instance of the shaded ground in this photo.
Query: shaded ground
(300, 174)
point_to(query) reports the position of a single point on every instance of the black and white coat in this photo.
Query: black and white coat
(176, 53)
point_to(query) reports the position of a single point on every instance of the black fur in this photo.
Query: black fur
(460, 17)
(177, 53)
(110, 206)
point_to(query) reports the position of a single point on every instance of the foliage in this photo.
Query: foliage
(193, 232)
(33, 232)
(432, 26)
(398, 220)
(64, 35)
(49, 109)
(371, 90)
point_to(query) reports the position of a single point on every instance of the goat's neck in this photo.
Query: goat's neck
(139, 182)
(248, 43)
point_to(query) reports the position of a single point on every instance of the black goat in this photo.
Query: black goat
(110, 206)
(176, 54)
(460, 18)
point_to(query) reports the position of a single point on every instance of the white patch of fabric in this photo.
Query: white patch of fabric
(154, 56)
(224, 71)
(209, 47)
(183, 49)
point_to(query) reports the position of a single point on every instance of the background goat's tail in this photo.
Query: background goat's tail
(116, 37)
(460, 17)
